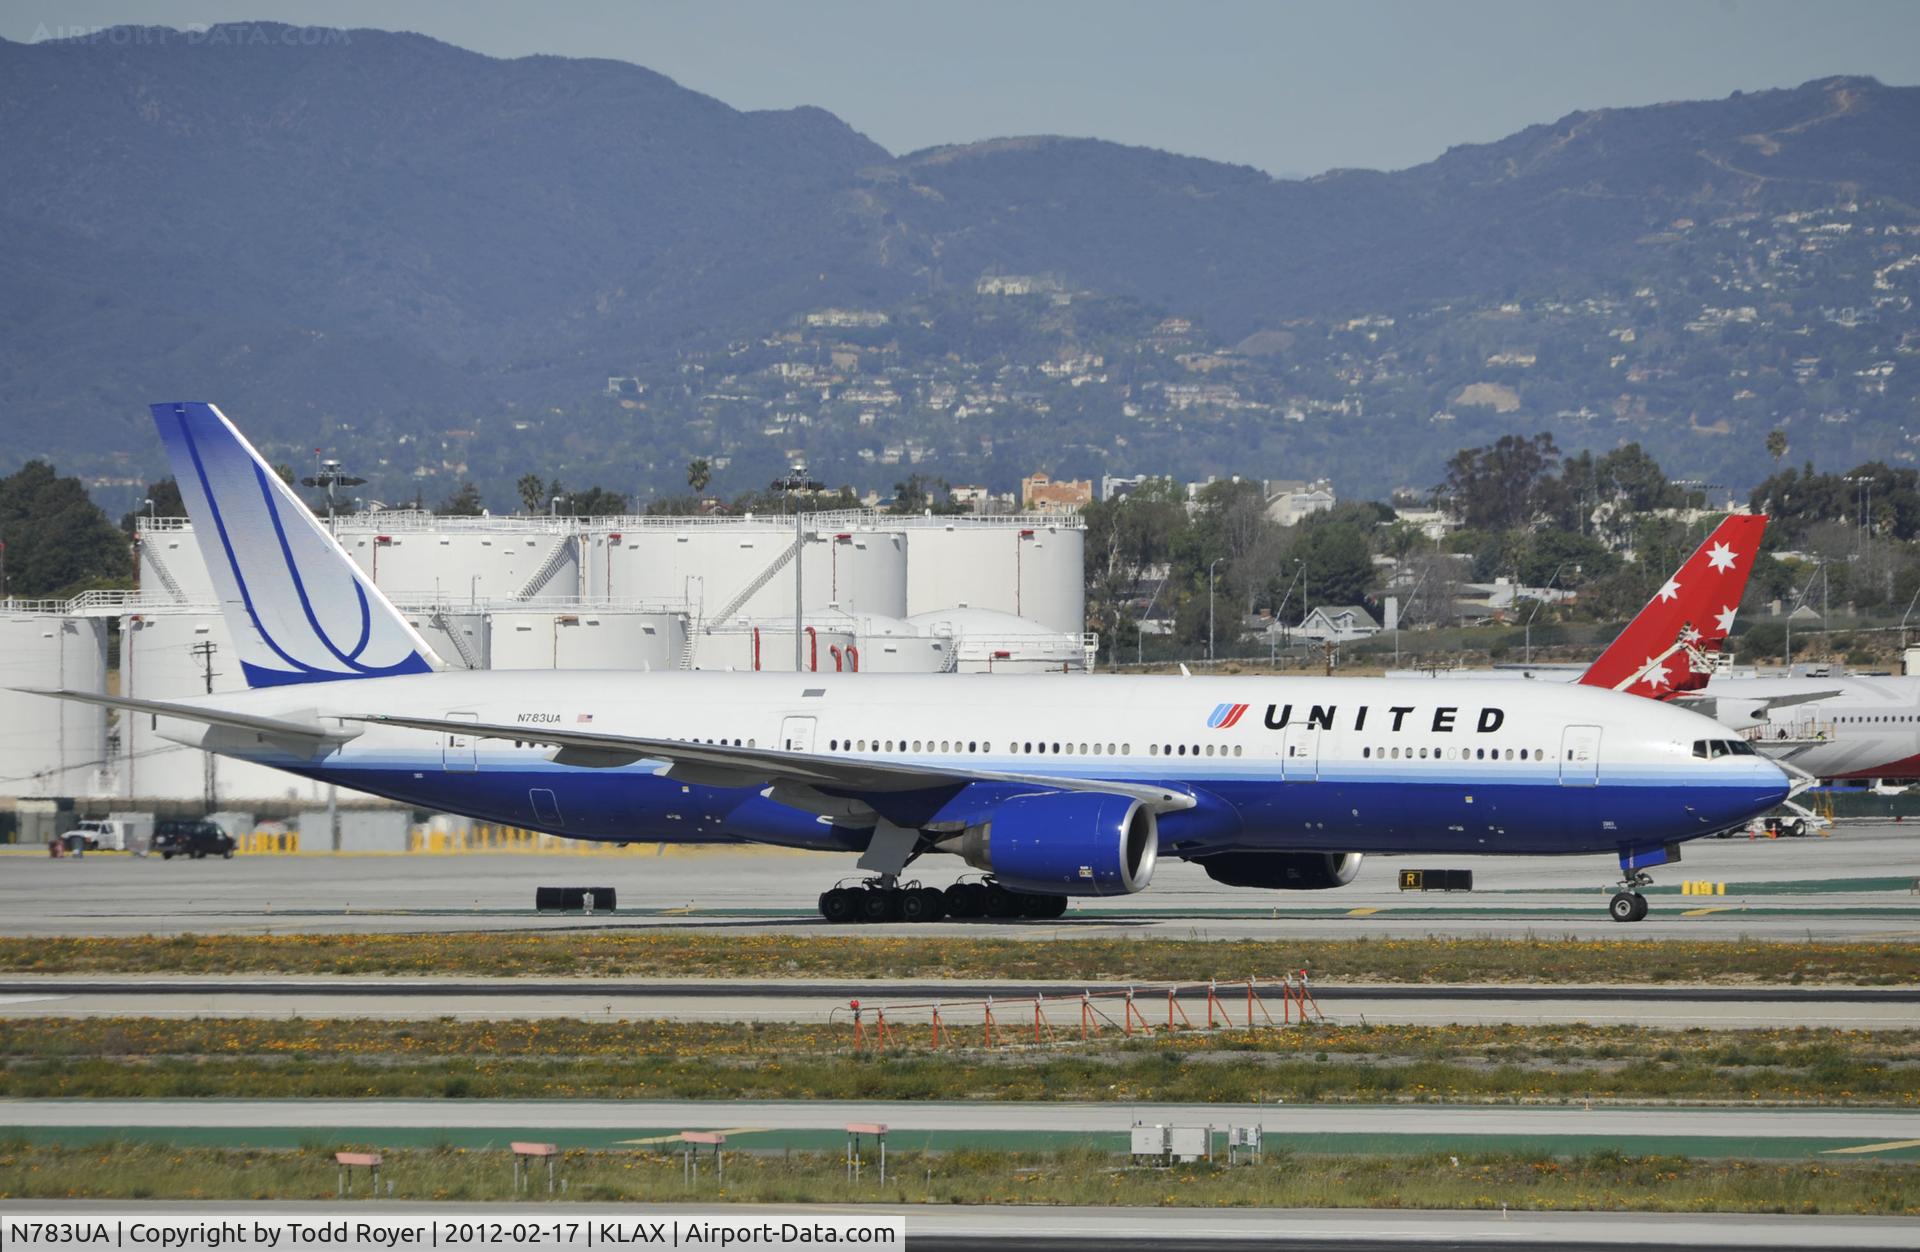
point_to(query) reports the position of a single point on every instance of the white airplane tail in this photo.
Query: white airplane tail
(300, 610)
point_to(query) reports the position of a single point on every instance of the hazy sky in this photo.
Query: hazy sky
(1287, 87)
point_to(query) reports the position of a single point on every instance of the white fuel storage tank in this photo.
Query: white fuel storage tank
(743, 567)
(1029, 567)
(51, 747)
(584, 639)
(463, 560)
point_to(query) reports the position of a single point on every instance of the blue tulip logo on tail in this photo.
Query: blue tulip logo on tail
(300, 610)
(1225, 716)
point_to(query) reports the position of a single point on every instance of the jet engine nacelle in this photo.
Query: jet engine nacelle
(1074, 843)
(1285, 871)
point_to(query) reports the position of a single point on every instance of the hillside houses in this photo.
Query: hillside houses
(1745, 330)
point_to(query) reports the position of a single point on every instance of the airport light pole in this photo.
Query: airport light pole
(330, 478)
(1403, 612)
(1279, 614)
(1210, 585)
(792, 484)
(1530, 616)
(1798, 600)
(1140, 627)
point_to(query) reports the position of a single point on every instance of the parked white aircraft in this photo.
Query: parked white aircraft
(1055, 787)
(1849, 726)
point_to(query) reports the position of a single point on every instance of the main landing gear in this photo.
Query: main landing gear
(880, 900)
(1628, 905)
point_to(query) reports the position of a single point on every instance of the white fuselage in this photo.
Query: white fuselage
(1335, 764)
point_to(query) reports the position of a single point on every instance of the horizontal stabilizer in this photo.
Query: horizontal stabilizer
(270, 727)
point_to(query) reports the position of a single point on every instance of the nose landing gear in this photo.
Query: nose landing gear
(1628, 905)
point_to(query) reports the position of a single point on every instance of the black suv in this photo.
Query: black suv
(195, 839)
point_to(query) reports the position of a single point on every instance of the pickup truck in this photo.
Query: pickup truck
(191, 839)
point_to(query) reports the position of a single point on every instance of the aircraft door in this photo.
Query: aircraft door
(1300, 754)
(460, 753)
(546, 808)
(796, 734)
(1580, 756)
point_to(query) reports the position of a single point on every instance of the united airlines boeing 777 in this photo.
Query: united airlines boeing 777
(1055, 787)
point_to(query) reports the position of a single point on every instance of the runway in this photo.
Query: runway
(958, 1228)
(1856, 1008)
(1858, 884)
(937, 1126)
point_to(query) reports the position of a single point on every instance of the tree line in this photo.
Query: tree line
(1608, 527)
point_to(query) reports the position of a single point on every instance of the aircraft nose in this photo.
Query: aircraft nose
(1781, 783)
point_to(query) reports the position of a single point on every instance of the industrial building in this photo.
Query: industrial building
(877, 593)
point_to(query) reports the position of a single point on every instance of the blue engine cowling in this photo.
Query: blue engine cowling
(1073, 843)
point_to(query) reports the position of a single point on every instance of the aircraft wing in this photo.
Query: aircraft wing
(1709, 704)
(721, 765)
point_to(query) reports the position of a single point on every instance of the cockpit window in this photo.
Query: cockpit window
(1711, 749)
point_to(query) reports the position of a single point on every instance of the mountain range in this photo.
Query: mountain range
(319, 229)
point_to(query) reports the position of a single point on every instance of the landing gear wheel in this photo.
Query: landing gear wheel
(922, 904)
(1042, 908)
(958, 901)
(965, 900)
(1626, 907)
(1001, 903)
(880, 904)
(936, 903)
(839, 905)
(1639, 908)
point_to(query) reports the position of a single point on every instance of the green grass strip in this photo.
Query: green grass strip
(125, 1058)
(615, 955)
(1605, 1180)
(827, 1138)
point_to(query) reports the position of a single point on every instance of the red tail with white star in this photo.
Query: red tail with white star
(1697, 603)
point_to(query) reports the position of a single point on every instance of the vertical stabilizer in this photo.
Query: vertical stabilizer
(1696, 605)
(300, 610)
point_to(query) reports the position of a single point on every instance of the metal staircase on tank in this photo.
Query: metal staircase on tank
(950, 649)
(150, 562)
(439, 618)
(555, 559)
(690, 650)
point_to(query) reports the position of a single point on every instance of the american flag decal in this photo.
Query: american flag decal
(584, 718)
(1225, 716)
